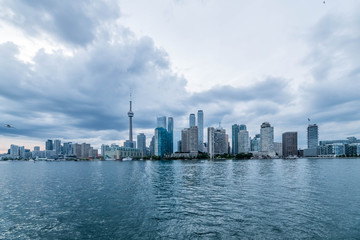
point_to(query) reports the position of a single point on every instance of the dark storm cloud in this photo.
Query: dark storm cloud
(71, 21)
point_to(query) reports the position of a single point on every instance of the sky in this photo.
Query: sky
(67, 67)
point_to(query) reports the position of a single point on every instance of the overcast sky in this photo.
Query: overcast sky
(66, 67)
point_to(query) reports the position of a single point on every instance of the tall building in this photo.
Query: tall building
(192, 120)
(57, 146)
(242, 127)
(189, 140)
(68, 149)
(162, 142)
(217, 143)
(235, 138)
(49, 145)
(22, 152)
(36, 148)
(85, 150)
(141, 140)
(130, 115)
(244, 142)
(289, 144)
(161, 122)
(171, 132)
(278, 148)
(200, 124)
(152, 146)
(312, 136)
(255, 143)
(267, 138)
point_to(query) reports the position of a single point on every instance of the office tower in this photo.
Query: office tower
(152, 146)
(77, 150)
(217, 143)
(85, 148)
(141, 140)
(267, 138)
(161, 122)
(210, 141)
(289, 144)
(22, 152)
(242, 127)
(200, 124)
(130, 115)
(128, 144)
(312, 136)
(171, 132)
(255, 143)
(68, 149)
(189, 140)
(49, 145)
(244, 143)
(192, 120)
(36, 148)
(162, 142)
(104, 148)
(57, 146)
(235, 139)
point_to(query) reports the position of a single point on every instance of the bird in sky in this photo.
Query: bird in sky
(9, 126)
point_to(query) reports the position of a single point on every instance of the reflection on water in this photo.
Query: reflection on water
(302, 198)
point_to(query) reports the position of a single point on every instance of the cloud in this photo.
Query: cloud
(75, 22)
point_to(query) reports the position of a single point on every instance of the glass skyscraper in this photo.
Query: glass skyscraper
(192, 120)
(312, 136)
(161, 122)
(235, 138)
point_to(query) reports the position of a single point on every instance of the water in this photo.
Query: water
(254, 199)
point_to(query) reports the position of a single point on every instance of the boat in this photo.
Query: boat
(127, 159)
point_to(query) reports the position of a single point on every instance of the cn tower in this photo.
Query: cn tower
(131, 115)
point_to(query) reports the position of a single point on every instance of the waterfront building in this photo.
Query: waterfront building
(77, 150)
(244, 142)
(312, 136)
(22, 152)
(162, 142)
(104, 148)
(278, 148)
(49, 145)
(267, 139)
(36, 148)
(57, 146)
(141, 140)
(129, 144)
(217, 143)
(14, 151)
(179, 145)
(192, 120)
(235, 139)
(116, 152)
(171, 132)
(152, 146)
(189, 140)
(289, 144)
(255, 143)
(161, 122)
(68, 149)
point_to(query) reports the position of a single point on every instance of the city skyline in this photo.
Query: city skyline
(256, 62)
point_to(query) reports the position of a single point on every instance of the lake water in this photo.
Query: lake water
(252, 199)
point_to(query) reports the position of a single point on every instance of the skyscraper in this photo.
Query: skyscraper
(255, 143)
(217, 143)
(192, 120)
(244, 143)
(49, 145)
(57, 146)
(130, 115)
(171, 132)
(210, 142)
(189, 140)
(267, 138)
(235, 138)
(200, 124)
(141, 141)
(162, 142)
(289, 144)
(312, 136)
(161, 122)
